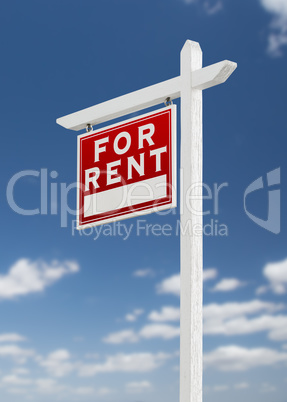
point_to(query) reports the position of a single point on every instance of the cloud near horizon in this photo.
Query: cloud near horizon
(276, 274)
(26, 276)
(227, 319)
(228, 285)
(237, 358)
(171, 285)
(11, 337)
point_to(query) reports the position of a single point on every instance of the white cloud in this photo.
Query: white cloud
(129, 363)
(209, 274)
(277, 39)
(171, 285)
(232, 319)
(210, 6)
(58, 363)
(21, 371)
(278, 27)
(17, 391)
(275, 6)
(125, 336)
(104, 391)
(275, 325)
(237, 358)
(261, 290)
(84, 391)
(93, 356)
(220, 388)
(15, 380)
(16, 353)
(276, 274)
(149, 331)
(12, 337)
(167, 313)
(144, 273)
(224, 311)
(50, 386)
(162, 331)
(213, 8)
(218, 312)
(278, 328)
(47, 385)
(218, 319)
(26, 277)
(266, 387)
(131, 317)
(227, 285)
(242, 385)
(138, 387)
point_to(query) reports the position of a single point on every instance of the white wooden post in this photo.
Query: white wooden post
(191, 264)
(189, 85)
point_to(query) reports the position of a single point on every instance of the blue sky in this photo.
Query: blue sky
(93, 316)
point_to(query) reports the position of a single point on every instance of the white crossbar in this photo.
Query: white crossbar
(150, 96)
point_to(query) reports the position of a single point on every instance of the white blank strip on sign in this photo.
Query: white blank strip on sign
(125, 196)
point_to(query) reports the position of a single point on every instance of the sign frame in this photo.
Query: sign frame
(172, 162)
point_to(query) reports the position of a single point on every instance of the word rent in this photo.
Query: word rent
(112, 174)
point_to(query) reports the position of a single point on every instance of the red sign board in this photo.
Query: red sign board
(127, 169)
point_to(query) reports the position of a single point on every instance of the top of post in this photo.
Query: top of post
(202, 78)
(191, 57)
(190, 47)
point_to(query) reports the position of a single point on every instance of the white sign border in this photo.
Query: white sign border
(150, 210)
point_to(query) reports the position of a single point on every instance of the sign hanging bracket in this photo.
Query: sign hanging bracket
(168, 101)
(89, 128)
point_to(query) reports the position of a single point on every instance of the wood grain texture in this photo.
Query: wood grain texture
(191, 245)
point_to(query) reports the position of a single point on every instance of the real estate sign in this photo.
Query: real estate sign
(127, 169)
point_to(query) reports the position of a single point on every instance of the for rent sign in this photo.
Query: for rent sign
(127, 169)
